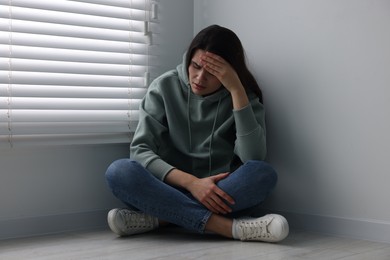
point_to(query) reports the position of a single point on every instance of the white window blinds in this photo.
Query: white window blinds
(73, 72)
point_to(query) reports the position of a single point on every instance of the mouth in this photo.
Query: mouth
(198, 87)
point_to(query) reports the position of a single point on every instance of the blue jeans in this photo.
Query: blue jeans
(135, 186)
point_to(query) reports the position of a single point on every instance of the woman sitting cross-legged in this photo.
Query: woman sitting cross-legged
(197, 157)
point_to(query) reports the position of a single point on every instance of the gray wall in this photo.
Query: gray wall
(53, 189)
(325, 70)
(324, 66)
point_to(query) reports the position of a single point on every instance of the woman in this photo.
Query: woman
(197, 154)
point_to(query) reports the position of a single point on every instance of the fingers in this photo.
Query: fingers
(213, 200)
(220, 192)
(225, 196)
(216, 200)
(217, 208)
(210, 195)
(213, 58)
(215, 204)
(214, 64)
(220, 176)
(222, 70)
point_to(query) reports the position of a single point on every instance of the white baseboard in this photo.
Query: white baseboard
(43, 225)
(365, 229)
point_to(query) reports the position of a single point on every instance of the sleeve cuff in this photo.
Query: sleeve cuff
(245, 120)
(159, 168)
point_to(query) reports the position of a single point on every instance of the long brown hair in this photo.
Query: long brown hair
(225, 43)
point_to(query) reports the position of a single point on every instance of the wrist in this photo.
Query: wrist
(188, 182)
(180, 179)
(239, 98)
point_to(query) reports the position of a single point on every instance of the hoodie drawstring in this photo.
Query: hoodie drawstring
(189, 119)
(212, 135)
(212, 130)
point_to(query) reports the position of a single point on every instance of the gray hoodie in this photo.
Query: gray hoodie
(202, 136)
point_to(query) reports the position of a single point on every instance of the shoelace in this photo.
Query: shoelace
(254, 229)
(136, 220)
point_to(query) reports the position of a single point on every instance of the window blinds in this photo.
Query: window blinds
(73, 72)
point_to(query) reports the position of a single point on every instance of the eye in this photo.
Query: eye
(195, 65)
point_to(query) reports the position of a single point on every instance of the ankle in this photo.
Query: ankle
(220, 225)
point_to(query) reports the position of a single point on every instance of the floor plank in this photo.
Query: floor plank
(176, 243)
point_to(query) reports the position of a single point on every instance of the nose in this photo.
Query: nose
(203, 74)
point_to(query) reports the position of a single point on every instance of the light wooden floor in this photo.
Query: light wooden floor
(175, 243)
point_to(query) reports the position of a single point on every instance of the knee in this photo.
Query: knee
(114, 170)
(263, 172)
(120, 171)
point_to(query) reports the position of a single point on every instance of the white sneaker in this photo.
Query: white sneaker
(269, 228)
(125, 222)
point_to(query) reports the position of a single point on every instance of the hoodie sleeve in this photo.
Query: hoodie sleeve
(250, 132)
(150, 133)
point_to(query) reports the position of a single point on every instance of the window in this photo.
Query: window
(73, 72)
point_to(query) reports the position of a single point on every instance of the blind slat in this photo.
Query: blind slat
(31, 115)
(69, 103)
(72, 91)
(110, 35)
(37, 53)
(61, 139)
(53, 42)
(78, 7)
(70, 30)
(137, 4)
(73, 67)
(45, 16)
(26, 128)
(40, 78)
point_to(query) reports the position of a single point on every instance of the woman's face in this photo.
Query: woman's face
(202, 82)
